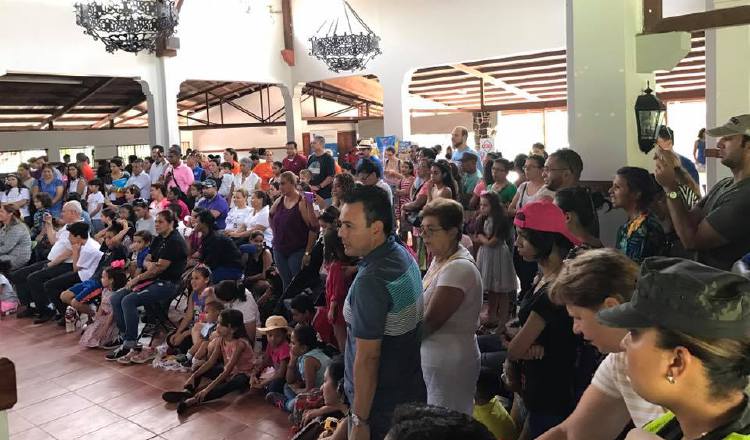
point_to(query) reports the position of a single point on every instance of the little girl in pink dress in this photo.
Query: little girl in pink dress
(104, 328)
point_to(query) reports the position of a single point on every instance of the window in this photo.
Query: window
(88, 151)
(517, 132)
(9, 160)
(141, 151)
(685, 119)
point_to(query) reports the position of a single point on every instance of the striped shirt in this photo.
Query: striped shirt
(385, 303)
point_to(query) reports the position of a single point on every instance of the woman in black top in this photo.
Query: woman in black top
(541, 357)
(220, 253)
(157, 285)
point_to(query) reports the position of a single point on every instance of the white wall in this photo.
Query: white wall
(252, 137)
(53, 140)
(440, 124)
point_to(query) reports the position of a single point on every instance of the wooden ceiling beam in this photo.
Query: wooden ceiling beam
(119, 112)
(231, 96)
(489, 79)
(96, 87)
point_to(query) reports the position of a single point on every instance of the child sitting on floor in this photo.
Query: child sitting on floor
(309, 364)
(276, 356)
(181, 338)
(234, 348)
(489, 410)
(333, 394)
(103, 330)
(201, 336)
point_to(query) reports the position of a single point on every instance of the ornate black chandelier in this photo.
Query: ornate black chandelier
(128, 25)
(346, 50)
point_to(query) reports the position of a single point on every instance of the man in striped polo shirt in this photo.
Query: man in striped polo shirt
(383, 313)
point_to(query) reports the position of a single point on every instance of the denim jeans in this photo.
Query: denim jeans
(225, 273)
(288, 265)
(125, 305)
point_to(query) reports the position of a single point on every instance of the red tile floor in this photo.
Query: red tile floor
(66, 392)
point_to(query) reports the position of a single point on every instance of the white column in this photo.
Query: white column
(293, 112)
(161, 95)
(727, 79)
(603, 84)
(396, 116)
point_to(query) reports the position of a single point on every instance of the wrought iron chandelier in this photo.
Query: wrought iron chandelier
(128, 25)
(347, 50)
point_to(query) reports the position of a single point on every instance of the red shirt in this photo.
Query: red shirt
(87, 172)
(295, 164)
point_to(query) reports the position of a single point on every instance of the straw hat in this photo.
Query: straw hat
(275, 322)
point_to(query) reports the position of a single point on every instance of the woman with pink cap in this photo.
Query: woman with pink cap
(541, 359)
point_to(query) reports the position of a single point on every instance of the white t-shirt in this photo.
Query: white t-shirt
(73, 187)
(611, 379)
(156, 171)
(6, 290)
(248, 182)
(146, 224)
(61, 245)
(237, 217)
(456, 339)
(15, 195)
(142, 181)
(88, 259)
(93, 201)
(261, 218)
(248, 308)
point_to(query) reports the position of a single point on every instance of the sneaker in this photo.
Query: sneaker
(111, 345)
(117, 354)
(128, 358)
(144, 356)
(276, 399)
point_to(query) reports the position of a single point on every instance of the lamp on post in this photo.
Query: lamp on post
(648, 116)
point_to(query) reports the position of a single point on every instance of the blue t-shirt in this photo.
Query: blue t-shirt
(385, 302)
(218, 203)
(701, 152)
(198, 174)
(51, 189)
(689, 167)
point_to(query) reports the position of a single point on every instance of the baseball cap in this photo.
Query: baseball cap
(275, 322)
(685, 296)
(469, 155)
(544, 216)
(736, 125)
(209, 183)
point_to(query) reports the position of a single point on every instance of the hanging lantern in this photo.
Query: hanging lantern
(347, 50)
(128, 25)
(649, 112)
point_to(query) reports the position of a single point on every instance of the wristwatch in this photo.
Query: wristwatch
(673, 195)
(356, 421)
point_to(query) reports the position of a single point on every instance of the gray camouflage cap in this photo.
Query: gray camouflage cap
(685, 296)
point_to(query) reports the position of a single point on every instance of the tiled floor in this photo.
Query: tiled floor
(67, 392)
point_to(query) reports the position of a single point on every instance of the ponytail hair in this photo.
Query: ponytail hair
(585, 204)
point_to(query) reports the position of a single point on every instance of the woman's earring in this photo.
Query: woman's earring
(670, 379)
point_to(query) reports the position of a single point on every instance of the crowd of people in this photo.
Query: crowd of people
(424, 294)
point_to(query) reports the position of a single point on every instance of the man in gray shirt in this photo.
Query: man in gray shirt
(717, 226)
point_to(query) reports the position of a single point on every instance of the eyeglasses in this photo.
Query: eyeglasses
(430, 231)
(528, 167)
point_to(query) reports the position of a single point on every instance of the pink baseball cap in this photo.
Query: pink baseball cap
(544, 216)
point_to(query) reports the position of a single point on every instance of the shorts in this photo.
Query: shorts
(83, 289)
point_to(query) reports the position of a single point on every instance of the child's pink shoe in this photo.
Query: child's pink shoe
(8, 307)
